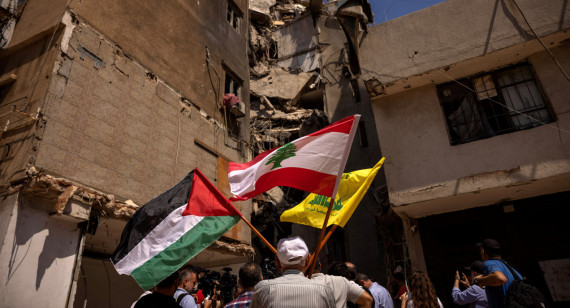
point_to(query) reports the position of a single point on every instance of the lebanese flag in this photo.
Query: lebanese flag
(172, 228)
(312, 163)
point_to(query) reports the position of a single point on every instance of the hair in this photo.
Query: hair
(249, 275)
(361, 276)
(351, 270)
(423, 292)
(185, 273)
(399, 276)
(340, 269)
(168, 281)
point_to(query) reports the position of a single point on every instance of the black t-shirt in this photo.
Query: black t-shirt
(155, 300)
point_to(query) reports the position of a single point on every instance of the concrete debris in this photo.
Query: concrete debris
(37, 182)
(229, 246)
(64, 198)
(260, 10)
(281, 84)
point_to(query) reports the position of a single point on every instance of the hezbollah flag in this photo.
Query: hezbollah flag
(172, 228)
(313, 209)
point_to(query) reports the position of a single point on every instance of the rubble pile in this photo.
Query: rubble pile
(277, 114)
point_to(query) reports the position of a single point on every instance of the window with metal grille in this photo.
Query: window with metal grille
(233, 15)
(495, 103)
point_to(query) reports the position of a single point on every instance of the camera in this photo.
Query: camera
(269, 270)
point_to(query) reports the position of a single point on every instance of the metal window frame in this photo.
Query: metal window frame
(500, 112)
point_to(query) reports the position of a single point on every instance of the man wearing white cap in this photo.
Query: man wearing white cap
(292, 289)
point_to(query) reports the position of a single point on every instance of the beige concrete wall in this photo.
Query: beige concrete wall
(422, 168)
(38, 256)
(123, 130)
(120, 128)
(170, 38)
(451, 32)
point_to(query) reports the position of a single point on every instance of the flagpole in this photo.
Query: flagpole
(323, 229)
(322, 245)
(254, 229)
(258, 234)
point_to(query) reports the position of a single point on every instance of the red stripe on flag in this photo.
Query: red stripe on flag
(242, 166)
(300, 178)
(340, 126)
(206, 200)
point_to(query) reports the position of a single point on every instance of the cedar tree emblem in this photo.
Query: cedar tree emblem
(281, 154)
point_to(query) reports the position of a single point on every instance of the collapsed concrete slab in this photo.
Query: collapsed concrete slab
(260, 10)
(281, 84)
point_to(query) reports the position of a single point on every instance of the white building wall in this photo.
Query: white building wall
(38, 255)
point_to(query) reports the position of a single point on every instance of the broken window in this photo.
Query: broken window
(495, 103)
(233, 15)
(234, 107)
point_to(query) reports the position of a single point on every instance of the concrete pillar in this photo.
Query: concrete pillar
(414, 242)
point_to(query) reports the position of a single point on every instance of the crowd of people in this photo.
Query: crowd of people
(483, 284)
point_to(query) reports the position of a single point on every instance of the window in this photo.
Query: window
(233, 15)
(232, 85)
(495, 103)
(233, 111)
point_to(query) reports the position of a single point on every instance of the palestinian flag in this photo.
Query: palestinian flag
(172, 228)
(312, 163)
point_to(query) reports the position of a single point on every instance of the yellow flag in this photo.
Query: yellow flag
(313, 209)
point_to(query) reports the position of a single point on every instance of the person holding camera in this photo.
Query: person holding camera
(474, 295)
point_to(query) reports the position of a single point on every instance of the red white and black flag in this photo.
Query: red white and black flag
(172, 228)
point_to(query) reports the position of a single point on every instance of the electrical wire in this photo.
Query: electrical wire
(542, 43)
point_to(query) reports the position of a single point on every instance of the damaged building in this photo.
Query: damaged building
(471, 105)
(305, 72)
(104, 105)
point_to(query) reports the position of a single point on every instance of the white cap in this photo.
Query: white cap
(292, 250)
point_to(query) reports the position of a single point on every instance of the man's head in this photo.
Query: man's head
(292, 252)
(188, 279)
(168, 285)
(489, 249)
(340, 269)
(477, 268)
(351, 270)
(249, 276)
(363, 280)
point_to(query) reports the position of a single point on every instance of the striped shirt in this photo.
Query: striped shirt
(292, 290)
(343, 289)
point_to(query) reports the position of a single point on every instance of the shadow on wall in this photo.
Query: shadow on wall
(513, 14)
(34, 226)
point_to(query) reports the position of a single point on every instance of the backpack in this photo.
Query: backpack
(180, 298)
(521, 294)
